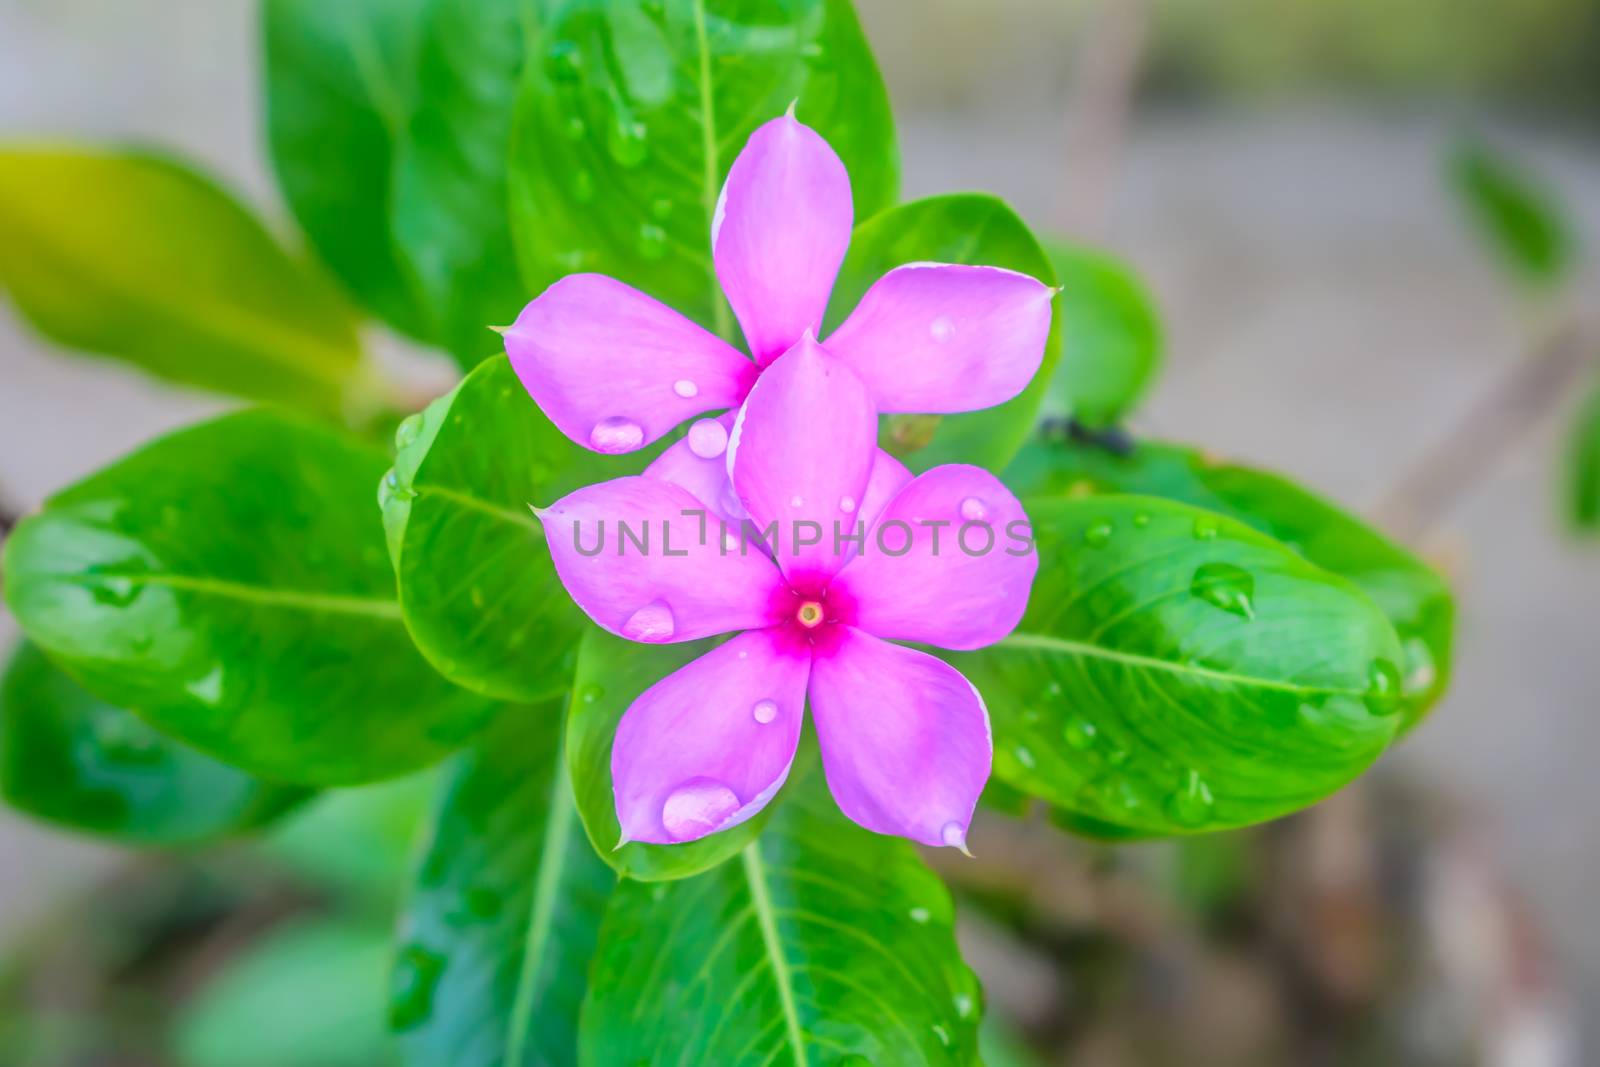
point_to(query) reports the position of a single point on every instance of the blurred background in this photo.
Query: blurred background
(1277, 173)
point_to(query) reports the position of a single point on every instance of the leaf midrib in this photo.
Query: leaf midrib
(755, 874)
(1045, 642)
(328, 603)
(541, 910)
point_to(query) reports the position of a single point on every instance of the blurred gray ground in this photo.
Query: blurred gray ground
(1326, 314)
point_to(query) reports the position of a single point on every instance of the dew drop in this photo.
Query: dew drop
(582, 187)
(591, 692)
(974, 509)
(1191, 804)
(661, 209)
(941, 329)
(764, 711)
(708, 439)
(1097, 535)
(117, 591)
(964, 1005)
(651, 623)
(1420, 670)
(1205, 528)
(616, 434)
(954, 835)
(576, 128)
(685, 388)
(1079, 734)
(942, 1034)
(626, 141)
(1383, 688)
(414, 979)
(407, 431)
(697, 807)
(920, 915)
(1225, 586)
(796, 501)
(652, 241)
(1142, 519)
(847, 505)
(1025, 757)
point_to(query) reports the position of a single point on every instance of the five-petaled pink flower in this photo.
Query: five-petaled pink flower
(904, 736)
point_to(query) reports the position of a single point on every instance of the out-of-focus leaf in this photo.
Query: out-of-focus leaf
(822, 943)
(1110, 334)
(229, 582)
(451, 219)
(1178, 671)
(1416, 600)
(962, 228)
(306, 995)
(340, 87)
(1583, 467)
(478, 589)
(504, 911)
(74, 760)
(356, 843)
(612, 672)
(1516, 215)
(141, 259)
(633, 112)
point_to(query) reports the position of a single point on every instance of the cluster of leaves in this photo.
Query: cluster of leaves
(222, 623)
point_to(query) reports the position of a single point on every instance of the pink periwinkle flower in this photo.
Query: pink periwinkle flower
(904, 736)
(615, 370)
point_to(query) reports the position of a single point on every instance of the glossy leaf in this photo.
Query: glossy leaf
(144, 260)
(309, 994)
(340, 88)
(505, 908)
(479, 592)
(1110, 334)
(229, 582)
(74, 760)
(1179, 671)
(633, 113)
(822, 943)
(451, 219)
(1583, 467)
(962, 228)
(356, 844)
(611, 674)
(1515, 214)
(1414, 597)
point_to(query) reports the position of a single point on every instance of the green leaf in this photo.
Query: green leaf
(1414, 597)
(141, 259)
(505, 909)
(340, 87)
(229, 583)
(356, 844)
(76, 761)
(967, 228)
(611, 674)
(1516, 215)
(451, 218)
(634, 111)
(824, 943)
(1110, 334)
(1583, 467)
(307, 995)
(1178, 671)
(477, 586)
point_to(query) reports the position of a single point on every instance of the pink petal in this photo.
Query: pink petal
(699, 463)
(801, 451)
(948, 563)
(888, 477)
(680, 586)
(904, 737)
(935, 337)
(780, 232)
(615, 369)
(706, 747)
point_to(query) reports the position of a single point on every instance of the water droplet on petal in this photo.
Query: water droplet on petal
(1226, 586)
(708, 439)
(616, 434)
(697, 807)
(652, 241)
(954, 835)
(1097, 535)
(941, 329)
(685, 388)
(1191, 804)
(651, 623)
(764, 711)
(796, 501)
(974, 509)
(847, 504)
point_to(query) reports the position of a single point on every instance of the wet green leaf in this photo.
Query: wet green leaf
(963, 228)
(822, 943)
(1178, 671)
(144, 260)
(1515, 214)
(1413, 596)
(356, 843)
(478, 589)
(505, 908)
(611, 674)
(1583, 467)
(1110, 335)
(229, 582)
(632, 113)
(340, 88)
(74, 760)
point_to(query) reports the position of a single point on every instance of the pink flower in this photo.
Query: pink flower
(615, 369)
(904, 737)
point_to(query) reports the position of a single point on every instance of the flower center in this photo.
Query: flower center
(809, 614)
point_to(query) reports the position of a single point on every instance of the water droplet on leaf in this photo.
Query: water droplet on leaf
(652, 241)
(414, 979)
(1205, 528)
(1383, 688)
(407, 431)
(1097, 535)
(1079, 734)
(1191, 805)
(563, 61)
(626, 141)
(582, 186)
(1226, 586)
